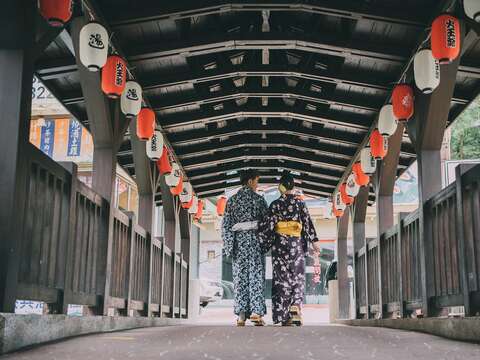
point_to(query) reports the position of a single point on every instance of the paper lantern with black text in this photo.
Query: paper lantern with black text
(426, 70)
(154, 146)
(402, 102)
(177, 190)
(367, 161)
(163, 164)
(352, 188)
(221, 204)
(56, 12)
(193, 209)
(387, 123)
(339, 204)
(378, 145)
(93, 46)
(445, 38)
(187, 194)
(347, 199)
(114, 76)
(145, 123)
(361, 178)
(174, 177)
(131, 99)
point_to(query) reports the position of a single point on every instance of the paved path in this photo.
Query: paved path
(276, 343)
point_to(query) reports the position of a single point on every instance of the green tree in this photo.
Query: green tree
(465, 141)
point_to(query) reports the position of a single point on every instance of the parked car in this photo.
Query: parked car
(210, 291)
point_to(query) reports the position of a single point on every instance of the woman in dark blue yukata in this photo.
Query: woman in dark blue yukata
(287, 231)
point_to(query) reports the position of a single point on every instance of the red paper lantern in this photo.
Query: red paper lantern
(56, 12)
(199, 213)
(188, 205)
(378, 145)
(348, 200)
(163, 164)
(114, 76)
(445, 39)
(221, 205)
(177, 189)
(145, 123)
(361, 178)
(402, 102)
(337, 213)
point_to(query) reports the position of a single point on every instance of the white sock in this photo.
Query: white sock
(241, 316)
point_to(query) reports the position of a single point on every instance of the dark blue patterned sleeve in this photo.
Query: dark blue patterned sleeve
(228, 235)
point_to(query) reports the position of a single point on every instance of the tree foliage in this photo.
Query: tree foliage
(465, 140)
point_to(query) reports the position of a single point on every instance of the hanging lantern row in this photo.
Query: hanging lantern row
(93, 54)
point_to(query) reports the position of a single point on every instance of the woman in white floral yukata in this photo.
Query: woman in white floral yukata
(287, 231)
(243, 212)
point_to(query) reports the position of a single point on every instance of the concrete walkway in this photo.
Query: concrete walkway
(224, 342)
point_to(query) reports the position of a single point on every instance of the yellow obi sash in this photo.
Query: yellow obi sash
(289, 228)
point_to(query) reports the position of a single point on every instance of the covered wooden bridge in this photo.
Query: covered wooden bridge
(271, 85)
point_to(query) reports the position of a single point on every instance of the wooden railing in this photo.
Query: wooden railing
(77, 250)
(410, 270)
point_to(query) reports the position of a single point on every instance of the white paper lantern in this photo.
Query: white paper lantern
(93, 46)
(154, 146)
(131, 99)
(194, 208)
(339, 204)
(367, 161)
(427, 71)
(187, 193)
(173, 178)
(352, 187)
(387, 124)
(472, 9)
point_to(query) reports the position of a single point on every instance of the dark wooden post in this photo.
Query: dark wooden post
(385, 178)
(426, 131)
(342, 265)
(16, 76)
(358, 220)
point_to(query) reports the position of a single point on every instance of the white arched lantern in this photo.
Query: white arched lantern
(339, 204)
(154, 146)
(352, 187)
(367, 161)
(173, 178)
(194, 208)
(387, 123)
(427, 71)
(187, 193)
(472, 9)
(131, 99)
(93, 46)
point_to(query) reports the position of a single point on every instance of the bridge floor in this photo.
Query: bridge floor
(223, 343)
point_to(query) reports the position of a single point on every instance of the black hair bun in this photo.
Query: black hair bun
(287, 180)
